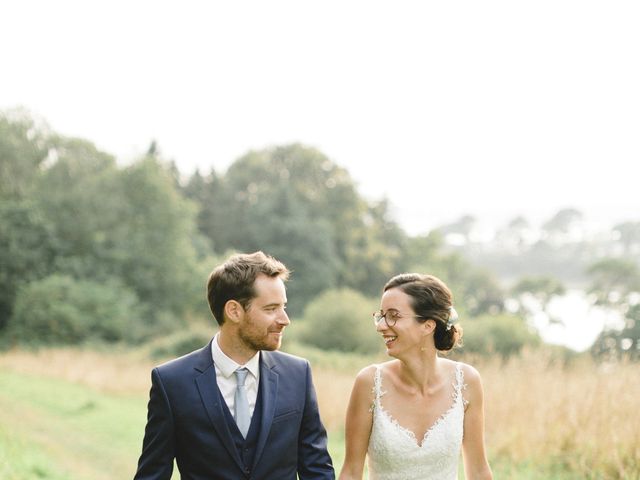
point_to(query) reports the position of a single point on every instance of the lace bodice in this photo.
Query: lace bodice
(394, 452)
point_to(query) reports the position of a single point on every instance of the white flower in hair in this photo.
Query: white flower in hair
(453, 318)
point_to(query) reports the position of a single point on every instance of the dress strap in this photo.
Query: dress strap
(460, 386)
(377, 388)
(377, 383)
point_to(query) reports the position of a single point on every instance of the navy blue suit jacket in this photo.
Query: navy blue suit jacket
(186, 421)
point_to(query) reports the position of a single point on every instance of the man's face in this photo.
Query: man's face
(265, 319)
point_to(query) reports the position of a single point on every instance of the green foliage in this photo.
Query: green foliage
(615, 284)
(181, 342)
(131, 224)
(26, 250)
(562, 221)
(629, 233)
(340, 320)
(60, 309)
(294, 203)
(475, 290)
(541, 288)
(504, 334)
(24, 147)
(338, 361)
(622, 342)
(613, 280)
(86, 218)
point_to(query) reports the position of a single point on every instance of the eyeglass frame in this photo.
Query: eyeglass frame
(378, 316)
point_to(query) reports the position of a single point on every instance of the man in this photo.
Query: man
(237, 409)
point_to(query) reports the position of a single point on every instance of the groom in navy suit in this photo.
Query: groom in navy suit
(237, 409)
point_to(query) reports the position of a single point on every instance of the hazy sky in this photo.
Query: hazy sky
(485, 107)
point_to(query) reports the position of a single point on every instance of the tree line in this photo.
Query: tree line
(91, 250)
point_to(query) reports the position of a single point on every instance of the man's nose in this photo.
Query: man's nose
(284, 318)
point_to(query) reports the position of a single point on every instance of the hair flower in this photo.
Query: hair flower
(453, 318)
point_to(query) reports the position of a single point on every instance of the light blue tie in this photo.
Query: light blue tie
(241, 404)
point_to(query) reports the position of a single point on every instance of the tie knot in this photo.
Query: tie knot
(241, 375)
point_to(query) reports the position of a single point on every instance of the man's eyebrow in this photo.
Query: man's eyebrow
(274, 304)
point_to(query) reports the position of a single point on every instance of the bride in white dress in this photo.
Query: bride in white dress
(412, 416)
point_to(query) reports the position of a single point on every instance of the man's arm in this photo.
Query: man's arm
(314, 461)
(158, 447)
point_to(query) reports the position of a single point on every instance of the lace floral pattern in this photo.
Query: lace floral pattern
(394, 451)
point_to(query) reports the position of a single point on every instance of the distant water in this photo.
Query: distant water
(581, 321)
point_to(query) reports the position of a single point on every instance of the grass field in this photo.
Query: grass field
(73, 414)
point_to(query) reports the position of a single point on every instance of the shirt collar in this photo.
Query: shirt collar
(227, 366)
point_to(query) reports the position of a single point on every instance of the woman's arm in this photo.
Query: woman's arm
(476, 466)
(358, 425)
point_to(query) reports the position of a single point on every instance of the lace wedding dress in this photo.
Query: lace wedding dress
(394, 452)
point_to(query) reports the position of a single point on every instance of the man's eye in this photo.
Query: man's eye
(395, 314)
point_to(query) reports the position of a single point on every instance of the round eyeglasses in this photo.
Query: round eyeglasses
(390, 317)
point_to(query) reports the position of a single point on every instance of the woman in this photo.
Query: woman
(413, 415)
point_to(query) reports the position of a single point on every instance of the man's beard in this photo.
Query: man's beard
(254, 339)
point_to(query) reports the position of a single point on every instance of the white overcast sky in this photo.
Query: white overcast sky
(490, 108)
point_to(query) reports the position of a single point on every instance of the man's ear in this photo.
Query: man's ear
(233, 311)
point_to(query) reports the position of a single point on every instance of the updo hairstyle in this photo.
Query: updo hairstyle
(431, 299)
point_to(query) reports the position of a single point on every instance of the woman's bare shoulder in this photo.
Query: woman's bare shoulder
(366, 376)
(470, 373)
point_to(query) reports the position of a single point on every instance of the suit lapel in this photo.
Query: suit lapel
(212, 400)
(269, 387)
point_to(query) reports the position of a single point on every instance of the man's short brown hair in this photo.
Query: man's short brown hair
(235, 278)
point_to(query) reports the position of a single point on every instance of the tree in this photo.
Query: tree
(629, 234)
(560, 226)
(475, 290)
(206, 193)
(129, 223)
(515, 236)
(541, 290)
(503, 334)
(625, 341)
(340, 320)
(613, 281)
(616, 285)
(26, 250)
(61, 310)
(295, 203)
(24, 146)
(460, 230)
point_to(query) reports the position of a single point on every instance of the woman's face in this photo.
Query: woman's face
(400, 330)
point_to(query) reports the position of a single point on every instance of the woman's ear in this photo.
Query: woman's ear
(429, 326)
(233, 311)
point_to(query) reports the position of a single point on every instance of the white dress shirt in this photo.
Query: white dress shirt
(227, 380)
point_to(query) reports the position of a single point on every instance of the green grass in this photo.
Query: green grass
(21, 459)
(54, 429)
(57, 429)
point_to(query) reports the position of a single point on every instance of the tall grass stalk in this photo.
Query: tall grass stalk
(545, 418)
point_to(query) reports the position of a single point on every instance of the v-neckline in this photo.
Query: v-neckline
(410, 433)
(457, 394)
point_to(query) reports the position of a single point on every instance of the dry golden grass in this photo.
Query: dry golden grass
(115, 372)
(582, 417)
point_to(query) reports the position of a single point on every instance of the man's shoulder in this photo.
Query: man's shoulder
(198, 358)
